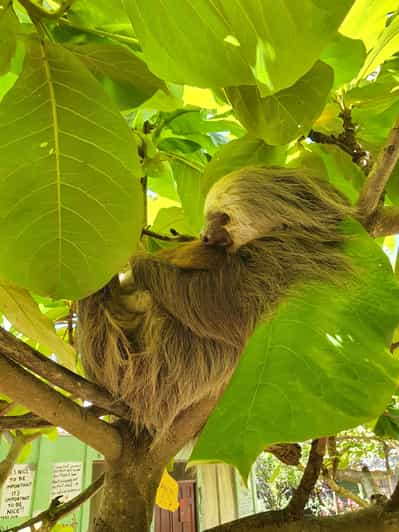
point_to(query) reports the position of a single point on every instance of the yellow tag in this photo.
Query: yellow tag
(167, 493)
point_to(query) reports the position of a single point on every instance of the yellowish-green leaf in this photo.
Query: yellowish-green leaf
(285, 116)
(22, 311)
(386, 46)
(70, 195)
(367, 19)
(8, 38)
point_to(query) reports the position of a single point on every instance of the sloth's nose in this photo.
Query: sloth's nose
(217, 237)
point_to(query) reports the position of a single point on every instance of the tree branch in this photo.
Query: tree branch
(309, 478)
(31, 421)
(18, 443)
(186, 426)
(372, 519)
(14, 349)
(28, 390)
(26, 421)
(384, 222)
(287, 453)
(378, 178)
(57, 511)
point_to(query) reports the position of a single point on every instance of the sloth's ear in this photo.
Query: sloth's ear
(195, 255)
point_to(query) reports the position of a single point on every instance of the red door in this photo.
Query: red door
(184, 518)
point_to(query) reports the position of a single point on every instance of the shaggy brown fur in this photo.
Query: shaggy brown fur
(178, 337)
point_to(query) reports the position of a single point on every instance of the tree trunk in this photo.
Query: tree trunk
(369, 520)
(130, 485)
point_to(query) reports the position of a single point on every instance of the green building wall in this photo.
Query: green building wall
(43, 456)
(233, 498)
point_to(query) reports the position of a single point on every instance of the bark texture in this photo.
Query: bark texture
(130, 486)
(370, 520)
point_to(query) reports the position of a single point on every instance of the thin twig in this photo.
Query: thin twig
(57, 511)
(14, 349)
(5, 407)
(18, 443)
(165, 238)
(131, 41)
(183, 160)
(309, 478)
(343, 492)
(377, 180)
(346, 140)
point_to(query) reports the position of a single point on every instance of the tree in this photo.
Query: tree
(104, 106)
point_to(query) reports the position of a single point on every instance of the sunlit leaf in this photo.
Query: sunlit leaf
(319, 366)
(170, 218)
(283, 117)
(71, 208)
(236, 42)
(99, 14)
(386, 45)
(367, 19)
(345, 56)
(22, 311)
(246, 151)
(123, 75)
(189, 188)
(342, 172)
(8, 34)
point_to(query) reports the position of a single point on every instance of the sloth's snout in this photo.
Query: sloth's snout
(216, 237)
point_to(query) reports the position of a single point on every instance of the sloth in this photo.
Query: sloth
(174, 336)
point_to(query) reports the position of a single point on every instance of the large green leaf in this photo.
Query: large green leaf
(285, 116)
(377, 95)
(197, 121)
(70, 197)
(367, 19)
(23, 312)
(189, 188)
(8, 34)
(246, 151)
(99, 14)
(341, 171)
(237, 42)
(319, 366)
(123, 75)
(373, 129)
(386, 46)
(345, 56)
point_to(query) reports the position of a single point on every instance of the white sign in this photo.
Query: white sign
(245, 503)
(17, 492)
(67, 480)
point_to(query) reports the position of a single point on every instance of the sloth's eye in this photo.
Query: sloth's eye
(224, 219)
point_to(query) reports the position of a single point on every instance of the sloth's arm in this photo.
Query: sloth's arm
(193, 284)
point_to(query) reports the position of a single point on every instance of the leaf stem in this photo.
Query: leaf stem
(134, 43)
(171, 155)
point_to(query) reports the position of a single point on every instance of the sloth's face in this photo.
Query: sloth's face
(215, 232)
(232, 229)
